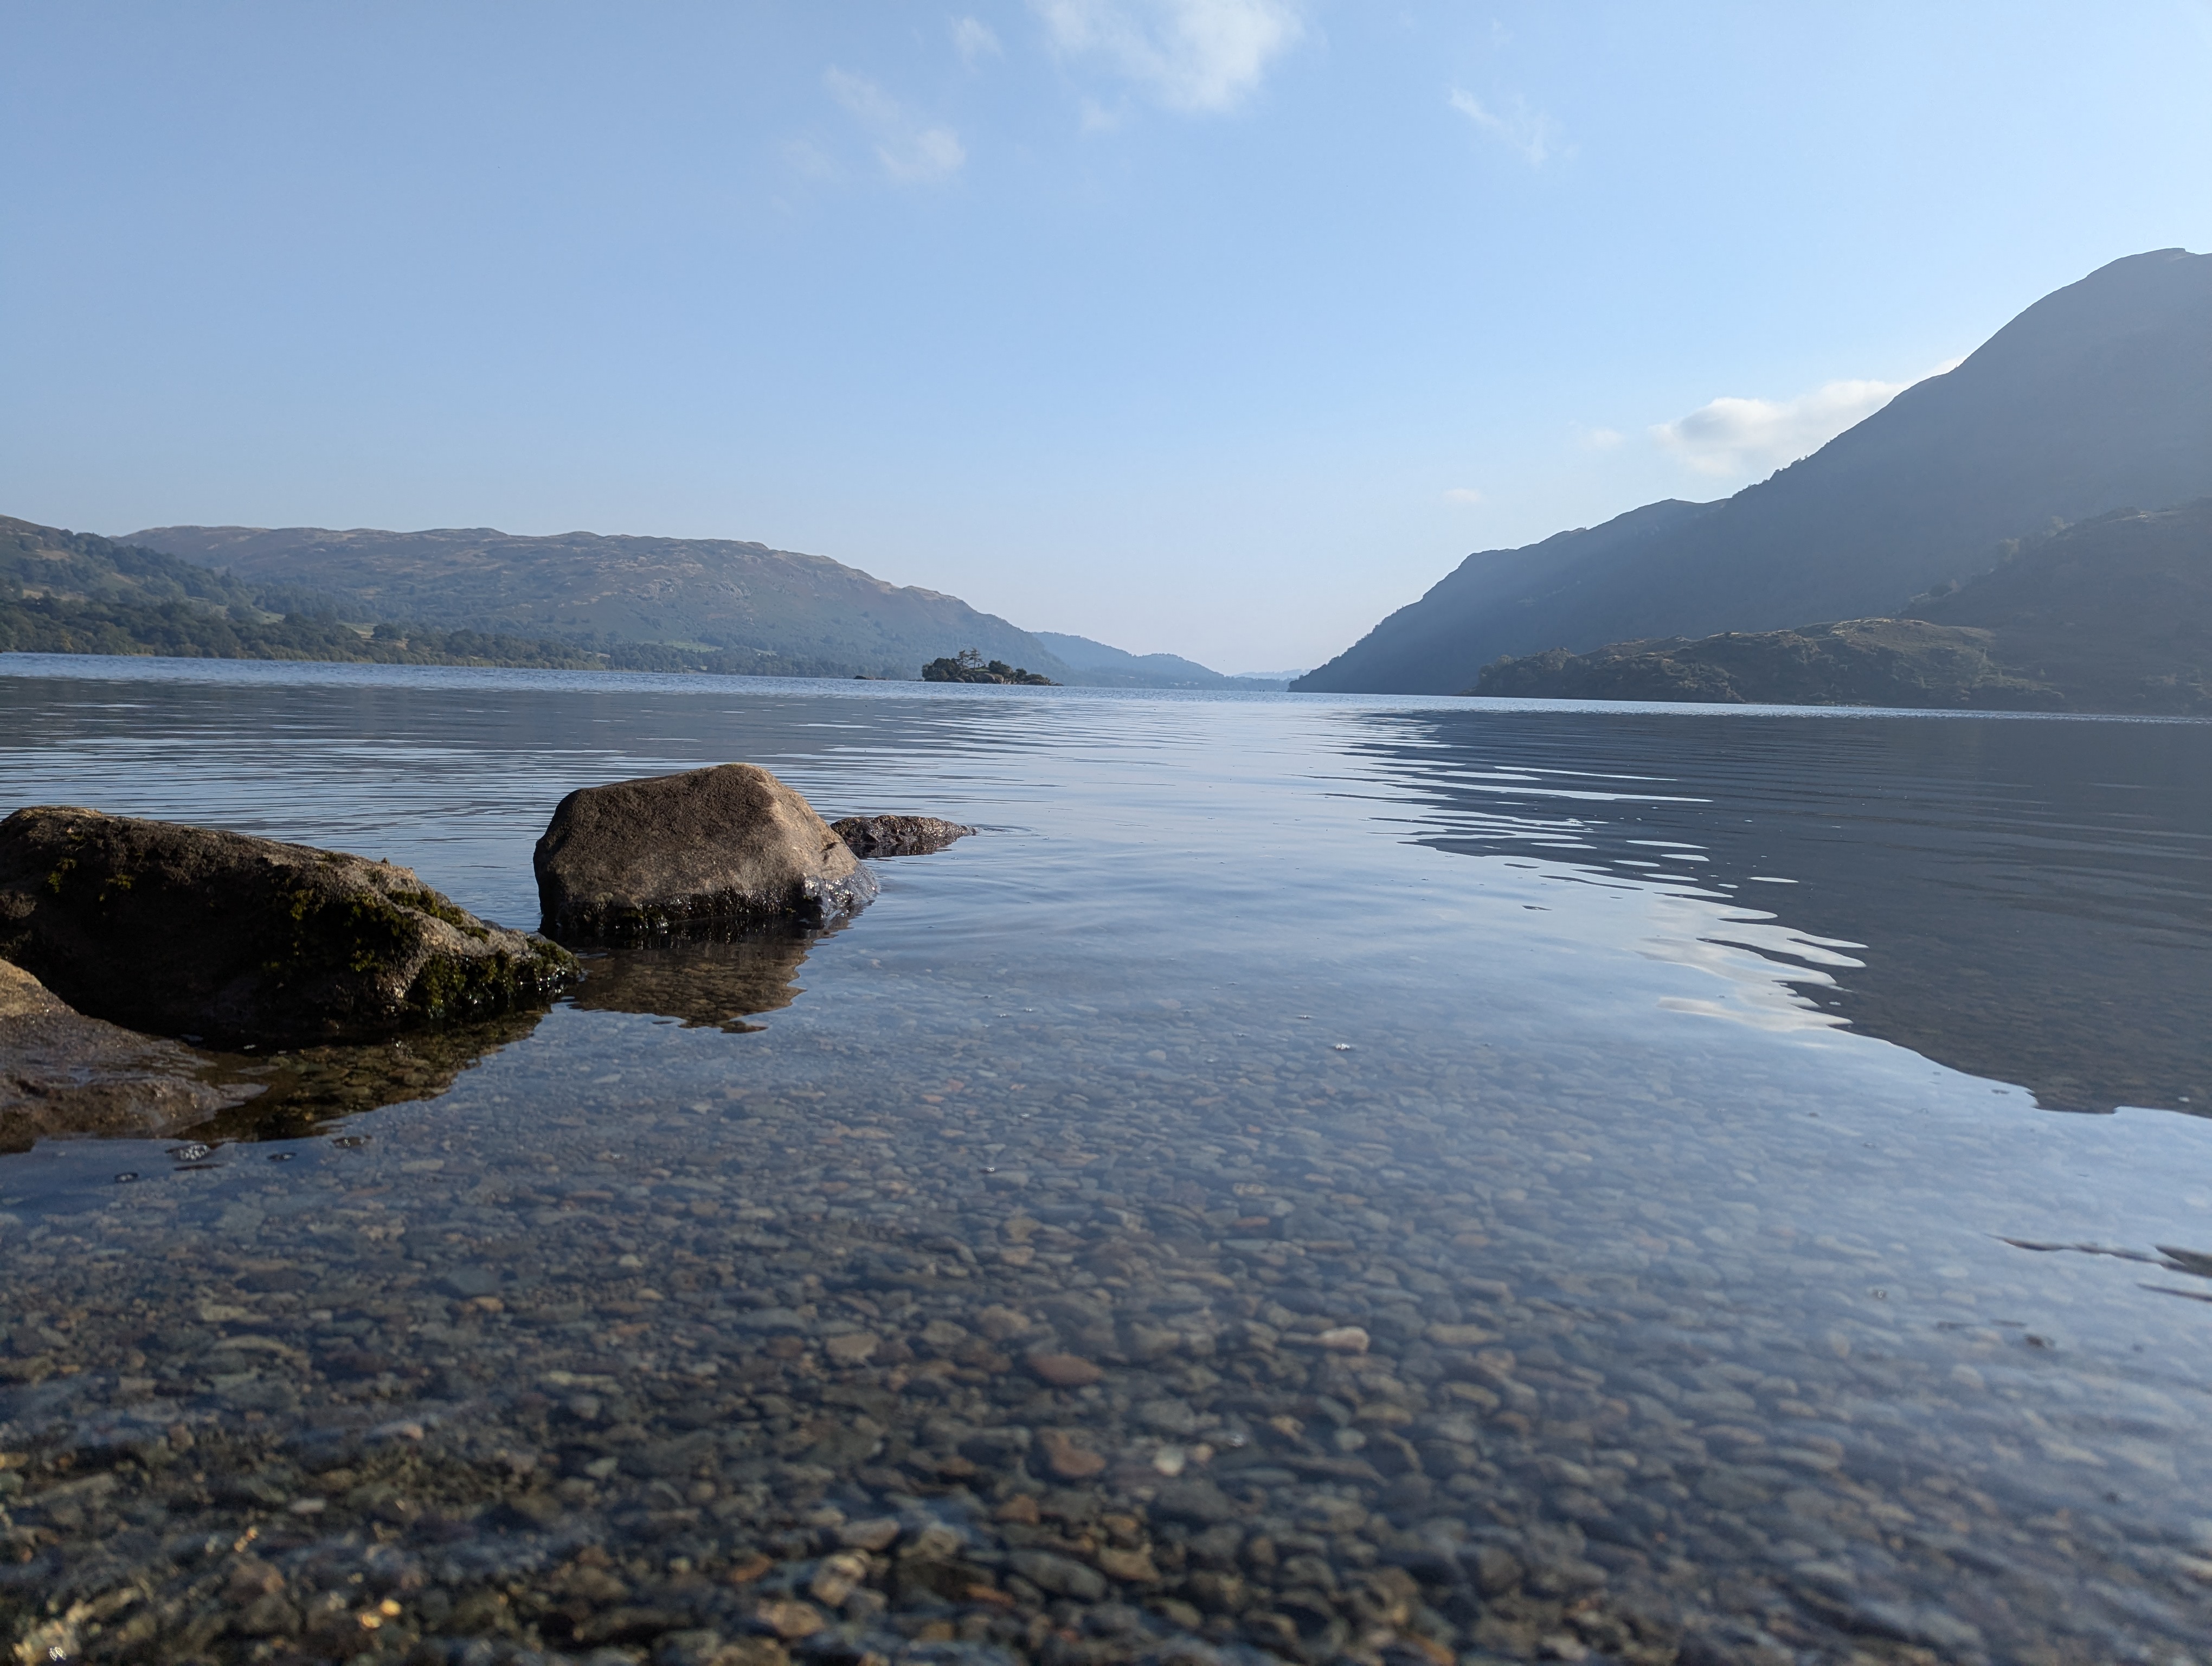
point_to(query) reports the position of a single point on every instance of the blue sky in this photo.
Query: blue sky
(1214, 326)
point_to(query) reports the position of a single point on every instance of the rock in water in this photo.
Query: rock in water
(185, 931)
(721, 847)
(65, 1073)
(898, 835)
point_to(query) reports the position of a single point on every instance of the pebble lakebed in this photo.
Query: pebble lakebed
(1300, 1282)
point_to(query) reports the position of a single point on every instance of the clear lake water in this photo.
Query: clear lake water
(1311, 1179)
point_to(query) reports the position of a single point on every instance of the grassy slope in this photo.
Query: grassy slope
(76, 593)
(2113, 614)
(703, 596)
(2116, 612)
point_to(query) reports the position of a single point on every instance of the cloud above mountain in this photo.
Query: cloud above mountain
(1732, 437)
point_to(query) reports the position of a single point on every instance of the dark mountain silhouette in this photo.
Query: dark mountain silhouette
(745, 605)
(2113, 615)
(2096, 397)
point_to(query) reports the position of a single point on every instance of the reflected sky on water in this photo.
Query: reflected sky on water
(1666, 1095)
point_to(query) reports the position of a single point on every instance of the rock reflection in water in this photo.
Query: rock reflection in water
(67, 1076)
(705, 982)
(301, 1090)
(62, 1073)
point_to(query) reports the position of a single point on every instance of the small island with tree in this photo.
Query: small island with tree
(967, 666)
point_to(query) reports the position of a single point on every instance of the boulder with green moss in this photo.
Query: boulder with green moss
(192, 932)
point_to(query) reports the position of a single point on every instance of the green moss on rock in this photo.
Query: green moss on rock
(189, 931)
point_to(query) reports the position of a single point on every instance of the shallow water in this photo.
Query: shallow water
(1517, 1181)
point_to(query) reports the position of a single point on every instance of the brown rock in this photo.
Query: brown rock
(62, 1073)
(898, 835)
(790, 1620)
(837, 1577)
(1461, 1336)
(185, 931)
(1066, 1458)
(1131, 1568)
(718, 847)
(266, 1617)
(748, 1652)
(877, 1533)
(1063, 1370)
(250, 1578)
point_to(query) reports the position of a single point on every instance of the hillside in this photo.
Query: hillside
(2111, 615)
(77, 593)
(2115, 613)
(47, 563)
(1101, 666)
(746, 606)
(2097, 397)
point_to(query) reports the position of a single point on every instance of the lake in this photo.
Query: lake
(1312, 1177)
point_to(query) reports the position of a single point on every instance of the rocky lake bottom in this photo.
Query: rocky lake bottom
(1311, 1179)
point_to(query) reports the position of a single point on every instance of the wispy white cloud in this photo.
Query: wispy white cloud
(809, 162)
(910, 151)
(1197, 55)
(1462, 494)
(1601, 439)
(1528, 133)
(1731, 436)
(975, 40)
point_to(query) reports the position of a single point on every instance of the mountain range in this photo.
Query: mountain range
(2097, 398)
(484, 596)
(745, 606)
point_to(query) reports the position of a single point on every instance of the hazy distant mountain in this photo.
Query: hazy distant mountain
(77, 593)
(2096, 397)
(1101, 666)
(746, 605)
(2113, 615)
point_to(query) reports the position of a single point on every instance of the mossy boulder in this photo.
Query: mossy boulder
(187, 931)
(709, 850)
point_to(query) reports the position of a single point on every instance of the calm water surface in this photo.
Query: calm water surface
(1314, 1179)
